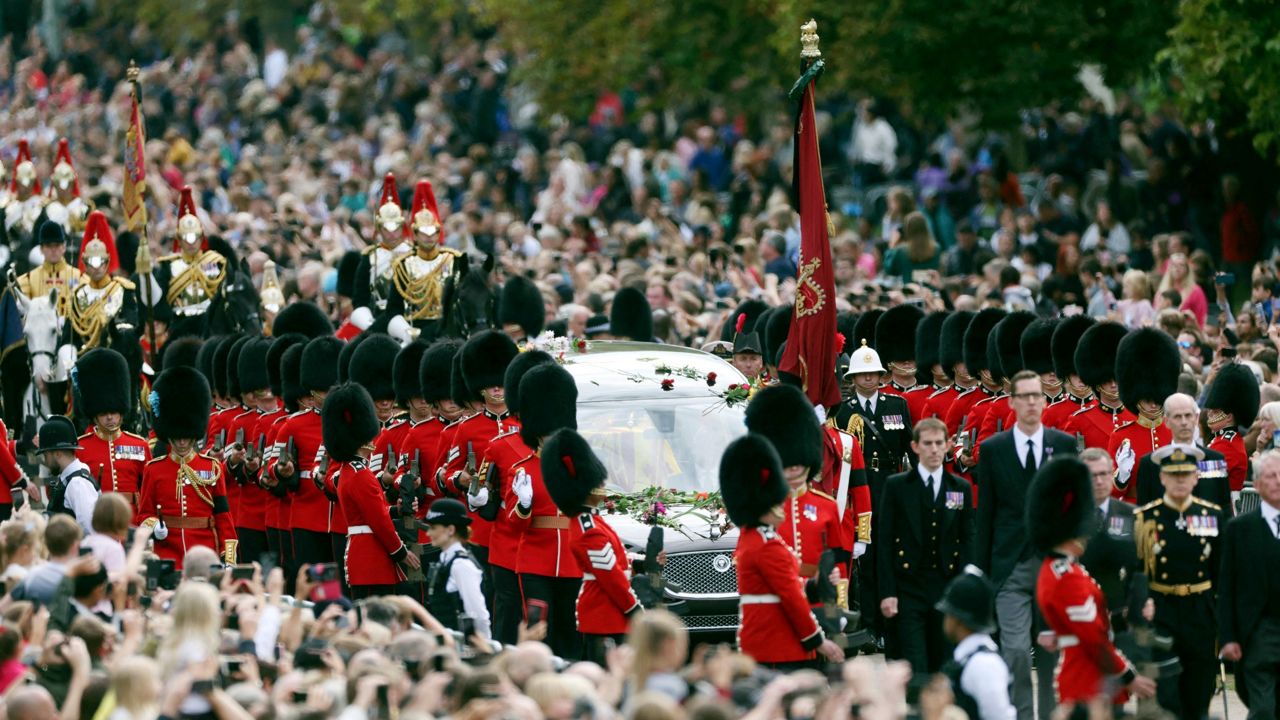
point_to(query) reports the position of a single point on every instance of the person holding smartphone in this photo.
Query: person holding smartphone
(454, 583)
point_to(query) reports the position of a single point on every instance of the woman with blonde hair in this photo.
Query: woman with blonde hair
(914, 249)
(1268, 422)
(659, 642)
(1178, 277)
(135, 682)
(19, 540)
(197, 624)
(1135, 308)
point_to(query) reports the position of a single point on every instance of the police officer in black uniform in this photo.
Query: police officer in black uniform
(454, 580)
(979, 676)
(1177, 541)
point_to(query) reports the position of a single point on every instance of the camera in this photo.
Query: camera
(161, 575)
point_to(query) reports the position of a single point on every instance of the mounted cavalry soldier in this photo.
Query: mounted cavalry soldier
(374, 281)
(420, 278)
(103, 303)
(23, 205)
(189, 283)
(65, 206)
(53, 276)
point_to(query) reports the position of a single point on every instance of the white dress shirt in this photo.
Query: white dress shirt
(1270, 514)
(867, 402)
(985, 677)
(464, 579)
(81, 495)
(936, 474)
(1020, 445)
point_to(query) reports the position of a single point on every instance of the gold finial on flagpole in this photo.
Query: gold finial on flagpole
(809, 40)
(132, 73)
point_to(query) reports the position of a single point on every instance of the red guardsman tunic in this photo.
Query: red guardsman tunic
(1097, 423)
(1140, 437)
(842, 464)
(775, 623)
(940, 401)
(498, 469)
(373, 547)
(1058, 415)
(477, 432)
(547, 536)
(962, 407)
(606, 601)
(1231, 444)
(117, 462)
(310, 509)
(810, 525)
(191, 497)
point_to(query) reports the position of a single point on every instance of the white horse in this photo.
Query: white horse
(42, 327)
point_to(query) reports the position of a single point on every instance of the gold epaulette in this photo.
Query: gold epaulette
(1206, 503)
(126, 283)
(1150, 505)
(819, 493)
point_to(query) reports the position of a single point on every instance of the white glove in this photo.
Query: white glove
(859, 549)
(362, 317)
(1124, 464)
(66, 360)
(522, 486)
(479, 500)
(161, 531)
(398, 328)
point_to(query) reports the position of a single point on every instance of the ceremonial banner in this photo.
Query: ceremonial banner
(811, 344)
(135, 170)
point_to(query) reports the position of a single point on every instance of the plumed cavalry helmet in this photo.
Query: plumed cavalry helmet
(98, 246)
(390, 216)
(189, 226)
(24, 170)
(64, 172)
(425, 221)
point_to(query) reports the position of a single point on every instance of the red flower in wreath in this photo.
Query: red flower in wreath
(581, 345)
(711, 379)
(668, 384)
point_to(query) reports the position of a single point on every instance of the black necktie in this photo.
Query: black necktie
(1030, 463)
(866, 405)
(928, 483)
(1102, 517)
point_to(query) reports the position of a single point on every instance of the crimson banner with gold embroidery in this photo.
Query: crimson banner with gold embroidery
(811, 344)
(135, 170)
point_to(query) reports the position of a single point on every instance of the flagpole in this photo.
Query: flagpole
(144, 246)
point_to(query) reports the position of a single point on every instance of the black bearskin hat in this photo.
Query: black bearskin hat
(865, 329)
(993, 357)
(435, 371)
(291, 390)
(252, 365)
(344, 357)
(302, 317)
(101, 383)
(928, 346)
(372, 365)
(1035, 342)
(184, 351)
(204, 358)
(180, 404)
(1008, 341)
(485, 357)
(1234, 390)
(753, 309)
(348, 421)
(951, 344)
(975, 340)
(896, 334)
(234, 390)
(1066, 338)
(783, 414)
(631, 318)
(458, 390)
(347, 267)
(218, 383)
(1147, 367)
(275, 358)
(751, 479)
(1095, 355)
(404, 372)
(571, 471)
(777, 325)
(548, 402)
(520, 303)
(320, 363)
(1060, 503)
(523, 363)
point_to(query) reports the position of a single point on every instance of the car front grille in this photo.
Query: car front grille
(711, 622)
(699, 573)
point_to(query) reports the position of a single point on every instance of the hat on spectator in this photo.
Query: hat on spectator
(348, 421)
(1235, 390)
(521, 364)
(521, 311)
(548, 399)
(951, 341)
(631, 318)
(302, 317)
(896, 335)
(405, 377)
(975, 341)
(373, 366)
(751, 479)
(1035, 342)
(783, 414)
(571, 471)
(1147, 367)
(597, 325)
(485, 357)
(1059, 503)
(1063, 344)
(928, 347)
(180, 404)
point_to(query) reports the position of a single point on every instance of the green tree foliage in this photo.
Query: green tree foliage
(1224, 61)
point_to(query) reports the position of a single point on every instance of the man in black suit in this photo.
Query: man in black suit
(1249, 594)
(1182, 417)
(1008, 461)
(925, 540)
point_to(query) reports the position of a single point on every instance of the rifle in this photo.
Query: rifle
(291, 456)
(408, 522)
(317, 475)
(220, 440)
(470, 469)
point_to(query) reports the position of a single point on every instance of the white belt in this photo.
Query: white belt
(359, 530)
(760, 600)
(190, 310)
(589, 576)
(1066, 641)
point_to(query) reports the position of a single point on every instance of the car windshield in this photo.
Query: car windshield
(674, 443)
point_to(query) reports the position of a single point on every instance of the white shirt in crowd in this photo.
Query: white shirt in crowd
(81, 495)
(1117, 240)
(464, 579)
(875, 143)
